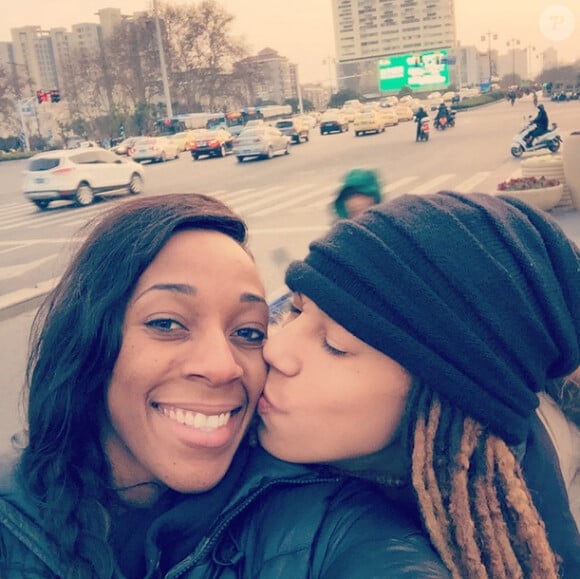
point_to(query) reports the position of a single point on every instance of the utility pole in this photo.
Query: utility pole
(169, 108)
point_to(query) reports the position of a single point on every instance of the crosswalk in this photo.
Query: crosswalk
(250, 202)
(260, 205)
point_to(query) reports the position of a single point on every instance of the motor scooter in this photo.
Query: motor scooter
(425, 124)
(441, 122)
(550, 140)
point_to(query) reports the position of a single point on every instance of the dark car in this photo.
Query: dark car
(295, 128)
(333, 122)
(211, 143)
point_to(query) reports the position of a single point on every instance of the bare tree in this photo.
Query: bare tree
(201, 51)
(8, 112)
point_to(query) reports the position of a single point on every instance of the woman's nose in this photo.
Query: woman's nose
(215, 359)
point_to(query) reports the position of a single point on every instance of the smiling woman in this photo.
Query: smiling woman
(145, 371)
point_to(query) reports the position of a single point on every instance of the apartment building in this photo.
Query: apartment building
(367, 31)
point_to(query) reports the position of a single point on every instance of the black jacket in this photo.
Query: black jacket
(283, 522)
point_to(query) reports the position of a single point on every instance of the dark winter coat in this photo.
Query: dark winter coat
(285, 522)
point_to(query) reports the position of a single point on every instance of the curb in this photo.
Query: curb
(24, 300)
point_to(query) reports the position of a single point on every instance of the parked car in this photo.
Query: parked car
(368, 122)
(211, 143)
(79, 175)
(296, 128)
(155, 149)
(263, 142)
(333, 122)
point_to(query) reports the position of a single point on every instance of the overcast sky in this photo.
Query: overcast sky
(302, 30)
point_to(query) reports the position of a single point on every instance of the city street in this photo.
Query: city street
(284, 200)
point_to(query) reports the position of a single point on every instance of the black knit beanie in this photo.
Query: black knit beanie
(476, 295)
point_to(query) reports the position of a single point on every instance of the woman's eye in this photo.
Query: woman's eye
(294, 310)
(164, 325)
(251, 335)
(332, 350)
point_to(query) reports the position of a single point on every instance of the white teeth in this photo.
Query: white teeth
(196, 419)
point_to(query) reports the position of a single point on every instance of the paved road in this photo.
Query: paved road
(285, 201)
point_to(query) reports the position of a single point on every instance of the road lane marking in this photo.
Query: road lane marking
(469, 184)
(12, 271)
(432, 185)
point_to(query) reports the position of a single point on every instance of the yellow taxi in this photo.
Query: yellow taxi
(368, 121)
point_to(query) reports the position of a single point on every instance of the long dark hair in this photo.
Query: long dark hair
(75, 341)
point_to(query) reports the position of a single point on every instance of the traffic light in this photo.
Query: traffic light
(122, 131)
(42, 96)
(54, 96)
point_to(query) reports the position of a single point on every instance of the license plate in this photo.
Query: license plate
(39, 180)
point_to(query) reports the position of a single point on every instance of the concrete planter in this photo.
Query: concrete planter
(544, 198)
(571, 161)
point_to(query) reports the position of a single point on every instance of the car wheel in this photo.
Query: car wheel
(287, 149)
(240, 159)
(270, 153)
(195, 157)
(163, 157)
(84, 195)
(42, 203)
(136, 184)
(222, 151)
(307, 138)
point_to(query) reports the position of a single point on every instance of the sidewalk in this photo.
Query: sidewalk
(27, 299)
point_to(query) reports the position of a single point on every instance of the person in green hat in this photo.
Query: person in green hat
(360, 190)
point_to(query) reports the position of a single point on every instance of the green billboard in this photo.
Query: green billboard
(419, 71)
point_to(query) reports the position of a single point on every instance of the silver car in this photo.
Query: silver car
(261, 142)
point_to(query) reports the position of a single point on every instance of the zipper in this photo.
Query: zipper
(215, 534)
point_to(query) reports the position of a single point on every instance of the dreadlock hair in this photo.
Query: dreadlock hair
(473, 498)
(75, 340)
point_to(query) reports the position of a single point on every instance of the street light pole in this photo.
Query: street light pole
(489, 36)
(169, 108)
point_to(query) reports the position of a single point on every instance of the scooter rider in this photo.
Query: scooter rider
(541, 122)
(419, 116)
(442, 111)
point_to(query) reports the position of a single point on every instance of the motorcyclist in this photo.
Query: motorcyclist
(419, 116)
(541, 122)
(442, 111)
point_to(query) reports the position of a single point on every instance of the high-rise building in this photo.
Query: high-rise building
(367, 31)
(34, 58)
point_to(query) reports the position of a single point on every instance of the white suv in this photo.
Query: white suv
(79, 175)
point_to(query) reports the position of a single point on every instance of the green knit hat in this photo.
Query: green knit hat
(357, 181)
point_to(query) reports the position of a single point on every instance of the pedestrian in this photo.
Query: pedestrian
(360, 190)
(422, 337)
(145, 369)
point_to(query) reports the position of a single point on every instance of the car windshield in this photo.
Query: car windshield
(43, 164)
